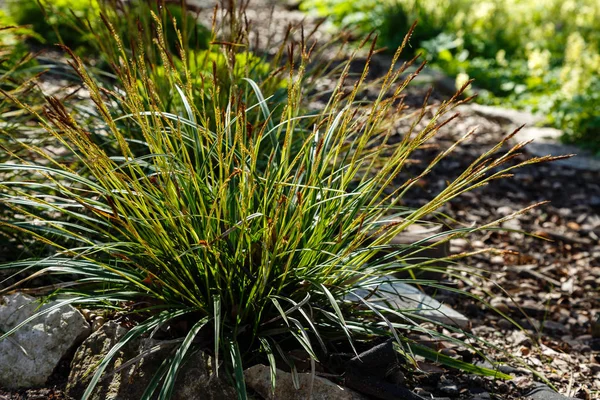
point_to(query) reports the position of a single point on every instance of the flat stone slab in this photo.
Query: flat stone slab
(539, 134)
(406, 298)
(428, 237)
(505, 116)
(546, 141)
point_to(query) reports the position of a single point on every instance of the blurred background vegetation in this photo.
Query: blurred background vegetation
(542, 56)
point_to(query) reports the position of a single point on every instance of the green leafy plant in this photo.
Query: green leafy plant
(211, 75)
(578, 117)
(61, 21)
(260, 227)
(17, 68)
(18, 71)
(73, 23)
(137, 25)
(134, 18)
(12, 49)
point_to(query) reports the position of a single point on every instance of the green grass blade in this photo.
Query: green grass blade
(339, 314)
(238, 370)
(435, 356)
(167, 389)
(156, 379)
(272, 363)
(133, 333)
(217, 330)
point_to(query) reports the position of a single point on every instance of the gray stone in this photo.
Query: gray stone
(258, 378)
(429, 237)
(380, 64)
(194, 380)
(582, 160)
(543, 392)
(28, 357)
(406, 298)
(482, 396)
(546, 140)
(451, 389)
(539, 134)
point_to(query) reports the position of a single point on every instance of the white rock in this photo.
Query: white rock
(28, 357)
(410, 300)
(258, 378)
(505, 210)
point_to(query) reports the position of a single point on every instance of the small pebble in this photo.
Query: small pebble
(504, 324)
(504, 210)
(497, 260)
(449, 352)
(595, 368)
(459, 243)
(450, 389)
(500, 305)
(98, 322)
(422, 392)
(478, 244)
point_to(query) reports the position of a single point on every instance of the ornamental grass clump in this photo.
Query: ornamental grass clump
(253, 223)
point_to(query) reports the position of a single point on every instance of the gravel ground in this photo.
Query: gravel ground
(547, 284)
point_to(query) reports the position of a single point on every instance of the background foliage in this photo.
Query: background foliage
(543, 56)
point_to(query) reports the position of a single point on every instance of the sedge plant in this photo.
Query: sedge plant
(255, 223)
